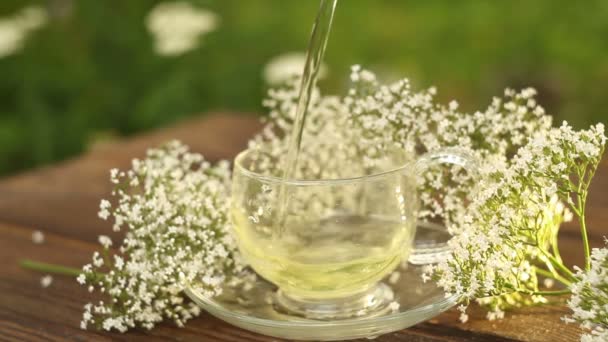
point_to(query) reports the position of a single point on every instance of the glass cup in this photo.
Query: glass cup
(338, 237)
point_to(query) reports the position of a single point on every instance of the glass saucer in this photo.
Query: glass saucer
(251, 307)
(430, 244)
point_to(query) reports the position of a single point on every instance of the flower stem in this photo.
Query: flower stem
(50, 268)
(555, 247)
(581, 199)
(558, 265)
(555, 276)
(581, 220)
(551, 293)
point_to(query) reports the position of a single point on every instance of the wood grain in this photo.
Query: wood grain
(62, 201)
(30, 312)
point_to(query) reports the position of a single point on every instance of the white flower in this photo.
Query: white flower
(177, 231)
(114, 176)
(105, 241)
(104, 211)
(283, 67)
(46, 281)
(463, 313)
(528, 93)
(97, 260)
(453, 105)
(118, 262)
(14, 29)
(178, 26)
(11, 38)
(37, 237)
(463, 317)
(589, 301)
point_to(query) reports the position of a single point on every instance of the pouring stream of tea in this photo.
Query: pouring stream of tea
(314, 58)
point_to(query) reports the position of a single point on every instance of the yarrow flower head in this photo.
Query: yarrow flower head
(178, 26)
(510, 233)
(396, 115)
(174, 207)
(589, 301)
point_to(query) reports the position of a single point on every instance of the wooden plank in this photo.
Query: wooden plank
(30, 312)
(27, 309)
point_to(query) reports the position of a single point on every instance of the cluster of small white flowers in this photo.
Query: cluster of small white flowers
(589, 301)
(105, 241)
(505, 234)
(14, 29)
(395, 116)
(178, 26)
(174, 207)
(513, 223)
(373, 120)
(463, 313)
(326, 142)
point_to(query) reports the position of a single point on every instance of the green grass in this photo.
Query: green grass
(95, 74)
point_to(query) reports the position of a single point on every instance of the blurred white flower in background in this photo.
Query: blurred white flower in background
(10, 38)
(14, 29)
(37, 237)
(178, 26)
(281, 68)
(46, 281)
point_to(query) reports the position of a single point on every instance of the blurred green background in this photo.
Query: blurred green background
(91, 71)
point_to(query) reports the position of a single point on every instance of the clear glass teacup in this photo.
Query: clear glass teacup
(337, 238)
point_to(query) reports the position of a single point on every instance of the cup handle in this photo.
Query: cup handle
(433, 249)
(451, 155)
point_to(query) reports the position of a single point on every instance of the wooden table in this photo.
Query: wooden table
(62, 201)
